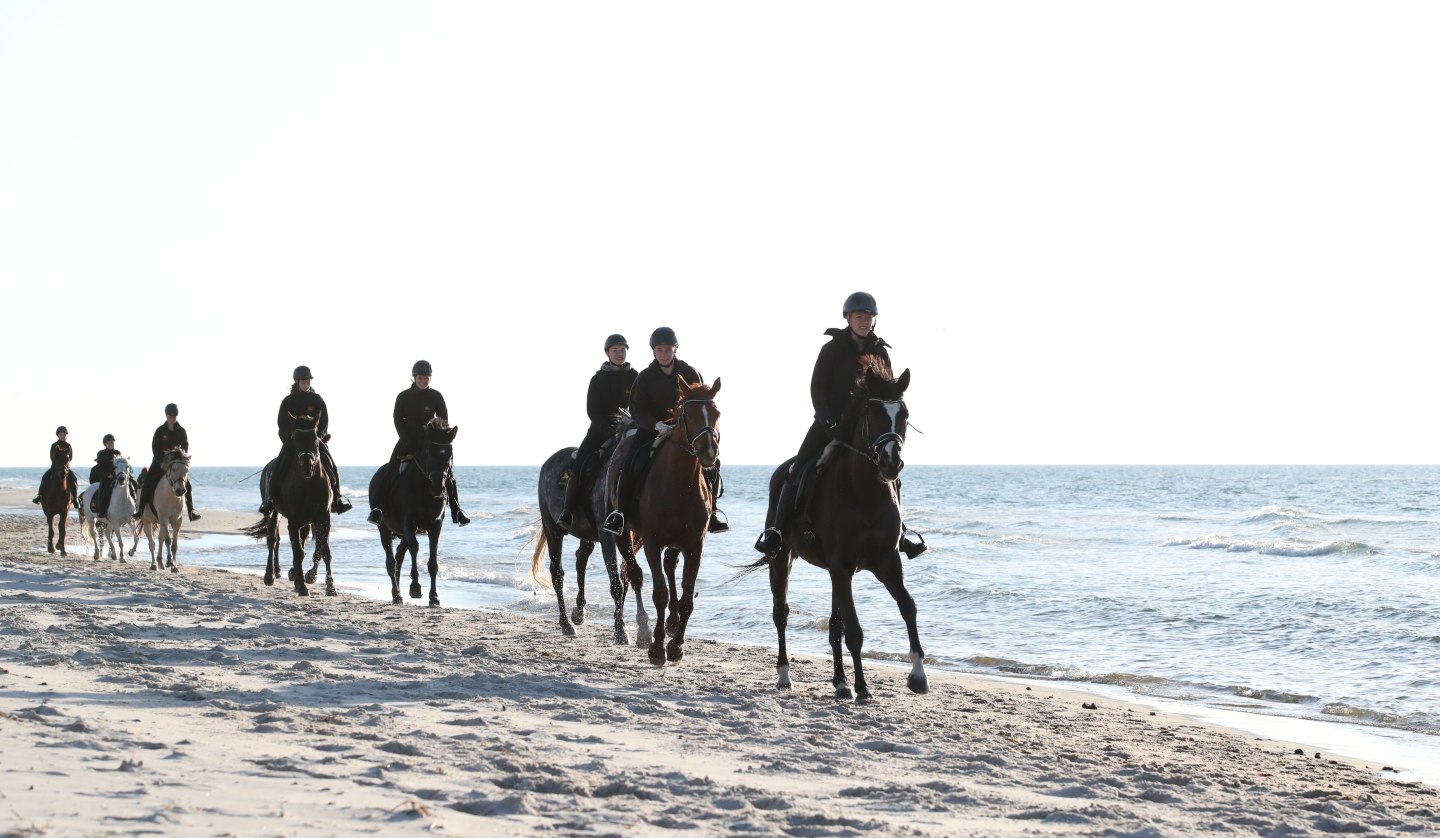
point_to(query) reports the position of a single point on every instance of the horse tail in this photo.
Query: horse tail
(259, 529)
(542, 579)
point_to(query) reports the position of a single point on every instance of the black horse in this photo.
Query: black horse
(411, 496)
(55, 502)
(303, 497)
(852, 523)
(585, 526)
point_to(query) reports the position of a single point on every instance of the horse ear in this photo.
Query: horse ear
(715, 388)
(454, 429)
(904, 380)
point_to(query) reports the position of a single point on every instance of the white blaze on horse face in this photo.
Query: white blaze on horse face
(892, 409)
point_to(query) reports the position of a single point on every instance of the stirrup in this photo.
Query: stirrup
(912, 543)
(718, 522)
(194, 516)
(267, 507)
(614, 523)
(377, 516)
(769, 542)
(36, 500)
(565, 519)
(341, 505)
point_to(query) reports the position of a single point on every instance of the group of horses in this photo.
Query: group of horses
(105, 529)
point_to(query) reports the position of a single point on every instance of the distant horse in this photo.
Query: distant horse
(55, 502)
(411, 496)
(117, 518)
(855, 520)
(584, 526)
(303, 497)
(166, 511)
(671, 513)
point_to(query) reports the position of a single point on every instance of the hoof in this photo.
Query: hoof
(290, 577)
(415, 592)
(567, 629)
(174, 569)
(310, 577)
(657, 654)
(396, 599)
(918, 684)
(577, 616)
(269, 581)
(672, 623)
(301, 592)
(434, 602)
(622, 639)
(782, 679)
(843, 693)
(862, 698)
(52, 550)
(674, 653)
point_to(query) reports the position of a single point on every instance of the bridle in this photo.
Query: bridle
(873, 455)
(689, 444)
(170, 477)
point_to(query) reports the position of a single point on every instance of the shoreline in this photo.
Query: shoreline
(190, 703)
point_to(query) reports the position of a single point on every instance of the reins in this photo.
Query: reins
(689, 445)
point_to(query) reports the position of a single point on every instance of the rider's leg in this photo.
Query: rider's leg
(282, 463)
(912, 543)
(456, 514)
(40, 493)
(717, 519)
(73, 484)
(147, 491)
(640, 448)
(588, 446)
(190, 502)
(340, 504)
(815, 441)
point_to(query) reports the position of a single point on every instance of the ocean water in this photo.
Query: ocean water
(1298, 591)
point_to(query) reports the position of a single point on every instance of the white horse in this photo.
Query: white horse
(167, 511)
(116, 519)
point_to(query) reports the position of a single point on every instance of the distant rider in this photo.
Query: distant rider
(305, 404)
(168, 436)
(103, 474)
(831, 383)
(60, 455)
(414, 407)
(608, 394)
(652, 399)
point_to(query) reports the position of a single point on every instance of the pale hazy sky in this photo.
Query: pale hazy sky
(1098, 232)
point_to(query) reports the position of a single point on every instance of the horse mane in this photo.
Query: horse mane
(437, 423)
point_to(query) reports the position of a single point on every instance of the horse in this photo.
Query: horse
(117, 516)
(854, 525)
(166, 511)
(671, 513)
(411, 497)
(586, 528)
(55, 503)
(303, 498)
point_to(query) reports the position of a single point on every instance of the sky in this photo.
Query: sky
(1098, 233)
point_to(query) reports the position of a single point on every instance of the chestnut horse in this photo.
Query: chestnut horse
(853, 524)
(671, 513)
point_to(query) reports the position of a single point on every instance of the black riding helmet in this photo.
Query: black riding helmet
(61, 430)
(663, 336)
(614, 339)
(302, 372)
(108, 438)
(172, 410)
(860, 301)
(421, 368)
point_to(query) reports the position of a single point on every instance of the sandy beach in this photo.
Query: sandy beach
(202, 703)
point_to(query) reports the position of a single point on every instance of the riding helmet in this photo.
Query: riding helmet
(302, 371)
(663, 336)
(108, 438)
(421, 368)
(860, 301)
(614, 339)
(172, 410)
(61, 430)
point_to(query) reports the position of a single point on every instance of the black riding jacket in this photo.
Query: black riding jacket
(836, 369)
(609, 391)
(104, 464)
(655, 392)
(60, 454)
(164, 439)
(413, 408)
(301, 403)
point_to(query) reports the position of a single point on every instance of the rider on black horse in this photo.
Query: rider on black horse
(103, 473)
(304, 405)
(413, 409)
(830, 392)
(60, 456)
(168, 436)
(651, 400)
(609, 392)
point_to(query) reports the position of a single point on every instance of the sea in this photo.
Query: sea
(1253, 596)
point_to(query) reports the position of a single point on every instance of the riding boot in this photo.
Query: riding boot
(147, 491)
(341, 504)
(377, 516)
(567, 515)
(614, 522)
(718, 523)
(912, 544)
(190, 502)
(40, 495)
(74, 494)
(456, 514)
(771, 540)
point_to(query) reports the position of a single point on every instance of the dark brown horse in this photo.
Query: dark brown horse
(411, 496)
(671, 513)
(55, 502)
(853, 524)
(303, 497)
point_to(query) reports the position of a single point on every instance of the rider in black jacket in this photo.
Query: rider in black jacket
(831, 381)
(167, 436)
(303, 403)
(60, 455)
(608, 394)
(414, 407)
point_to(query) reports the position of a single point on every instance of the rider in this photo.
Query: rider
(60, 456)
(102, 472)
(651, 399)
(830, 389)
(415, 407)
(609, 392)
(167, 436)
(304, 403)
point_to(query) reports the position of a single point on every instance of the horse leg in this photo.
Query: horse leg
(636, 577)
(892, 576)
(64, 519)
(843, 611)
(310, 575)
(434, 564)
(174, 546)
(618, 587)
(50, 539)
(672, 558)
(272, 549)
(554, 537)
(685, 606)
(393, 566)
(660, 594)
(582, 561)
(134, 540)
(780, 611)
(837, 632)
(157, 554)
(297, 559)
(412, 543)
(322, 548)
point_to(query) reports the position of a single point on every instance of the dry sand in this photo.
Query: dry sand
(203, 703)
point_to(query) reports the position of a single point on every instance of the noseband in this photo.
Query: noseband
(873, 455)
(689, 444)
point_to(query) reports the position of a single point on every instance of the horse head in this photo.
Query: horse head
(121, 474)
(305, 437)
(697, 420)
(436, 457)
(177, 470)
(883, 418)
